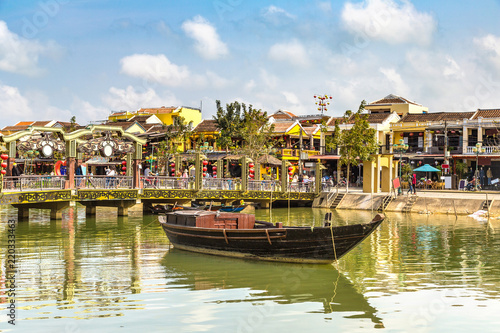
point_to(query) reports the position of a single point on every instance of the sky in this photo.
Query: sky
(87, 58)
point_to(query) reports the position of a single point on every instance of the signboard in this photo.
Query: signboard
(395, 183)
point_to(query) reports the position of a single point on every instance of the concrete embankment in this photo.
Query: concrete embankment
(435, 202)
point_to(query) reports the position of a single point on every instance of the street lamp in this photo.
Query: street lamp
(322, 102)
(477, 149)
(400, 148)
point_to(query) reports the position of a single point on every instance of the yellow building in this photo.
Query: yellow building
(392, 103)
(192, 116)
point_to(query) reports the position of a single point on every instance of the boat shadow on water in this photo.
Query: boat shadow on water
(282, 283)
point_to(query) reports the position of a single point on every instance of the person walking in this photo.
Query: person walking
(414, 183)
(410, 185)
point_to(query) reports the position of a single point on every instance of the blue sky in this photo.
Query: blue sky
(86, 58)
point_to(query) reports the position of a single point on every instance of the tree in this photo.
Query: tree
(72, 124)
(256, 132)
(229, 122)
(356, 144)
(176, 134)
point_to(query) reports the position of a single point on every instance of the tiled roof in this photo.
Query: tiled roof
(332, 120)
(437, 116)
(207, 125)
(281, 114)
(311, 129)
(157, 110)
(487, 113)
(373, 118)
(140, 119)
(24, 123)
(393, 99)
(282, 126)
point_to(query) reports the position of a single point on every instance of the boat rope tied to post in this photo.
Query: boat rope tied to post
(268, 238)
(225, 236)
(334, 250)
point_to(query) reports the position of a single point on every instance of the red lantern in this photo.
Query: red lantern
(252, 170)
(124, 162)
(172, 164)
(3, 172)
(214, 168)
(205, 162)
(205, 169)
(123, 173)
(290, 173)
(251, 175)
(124, 168)
(4, 165)
(204, 174)
(215, 173)
(290, 168)
(251, 165)
(4, 156)
(172, 170)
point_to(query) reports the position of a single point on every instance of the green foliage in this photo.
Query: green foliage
(356, 144)
(406, 171)
(72, 125)
(229, 122)
(176, 135)
(460, 168)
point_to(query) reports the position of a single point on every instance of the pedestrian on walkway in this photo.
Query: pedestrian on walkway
(414, 183)
(410, 185)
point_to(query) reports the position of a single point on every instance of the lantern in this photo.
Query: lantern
(124, 168)
(205, 162)
(123, 173)
(252, 170)
(205, 169)
(290, 173)
(172, 164)
(3, 172)
(172, 170)
(4, 156)
(204, 174)
(124, 162)
(290, 168)
(252, 175)
(251, 165)
(4, 165)
(215, 173)
(214, 168)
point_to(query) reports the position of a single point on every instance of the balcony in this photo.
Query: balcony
(487, 149)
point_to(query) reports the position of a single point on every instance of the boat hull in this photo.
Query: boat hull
(287, 244)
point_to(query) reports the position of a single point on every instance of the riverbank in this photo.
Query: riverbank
(431, 201)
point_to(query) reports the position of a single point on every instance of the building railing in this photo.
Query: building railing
(30, 183)
(103, 182)
(487, 149)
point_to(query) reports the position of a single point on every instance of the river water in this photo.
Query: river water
(416, 273)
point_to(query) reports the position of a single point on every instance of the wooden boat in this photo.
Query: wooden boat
(162, 209)
(240, 235)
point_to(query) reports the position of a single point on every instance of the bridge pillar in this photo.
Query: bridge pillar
(23, 213)
(90, 210)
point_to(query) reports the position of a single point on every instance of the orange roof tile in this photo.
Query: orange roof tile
(487, 113)
(393, 99)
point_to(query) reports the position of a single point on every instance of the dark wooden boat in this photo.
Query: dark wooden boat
(163, 209)
(240, 235)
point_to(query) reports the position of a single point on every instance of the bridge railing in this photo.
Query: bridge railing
(301, 187)
(221, 183)
(170, 183)
(264, 185)
(103, 182)
(33, 183)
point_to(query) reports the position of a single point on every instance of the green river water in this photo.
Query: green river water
(416, 273)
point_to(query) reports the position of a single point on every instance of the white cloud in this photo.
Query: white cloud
(490, 45)
(398, 86)
(19, 55)
(130, 99)
(207, 41)
(271, 81)
(292, 52)
(15, 105)
(388, 21)
(85, 112)
(277, 15)
(154, 69)
(291, 98)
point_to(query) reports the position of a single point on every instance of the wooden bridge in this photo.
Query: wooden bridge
(51, 192)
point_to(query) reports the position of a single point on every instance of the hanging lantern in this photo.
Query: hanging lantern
(4, 165)
(172, 164)
(3, 172)
(123, 173)
(251, 165)
(252, 170)
(4, 156)
(290, 168)
(252, 175)
(172, 170)
(205, 169)
(204, 174)
(214, 168)
(124, 168)
(205, 162)
(290, 173)
(124, 162)
(214, 173)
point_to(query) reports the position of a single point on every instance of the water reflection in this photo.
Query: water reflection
(277, 282)
(113, 267)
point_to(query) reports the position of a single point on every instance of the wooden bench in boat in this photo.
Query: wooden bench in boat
(213, 220)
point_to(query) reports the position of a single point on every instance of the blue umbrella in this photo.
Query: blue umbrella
(426, 168)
